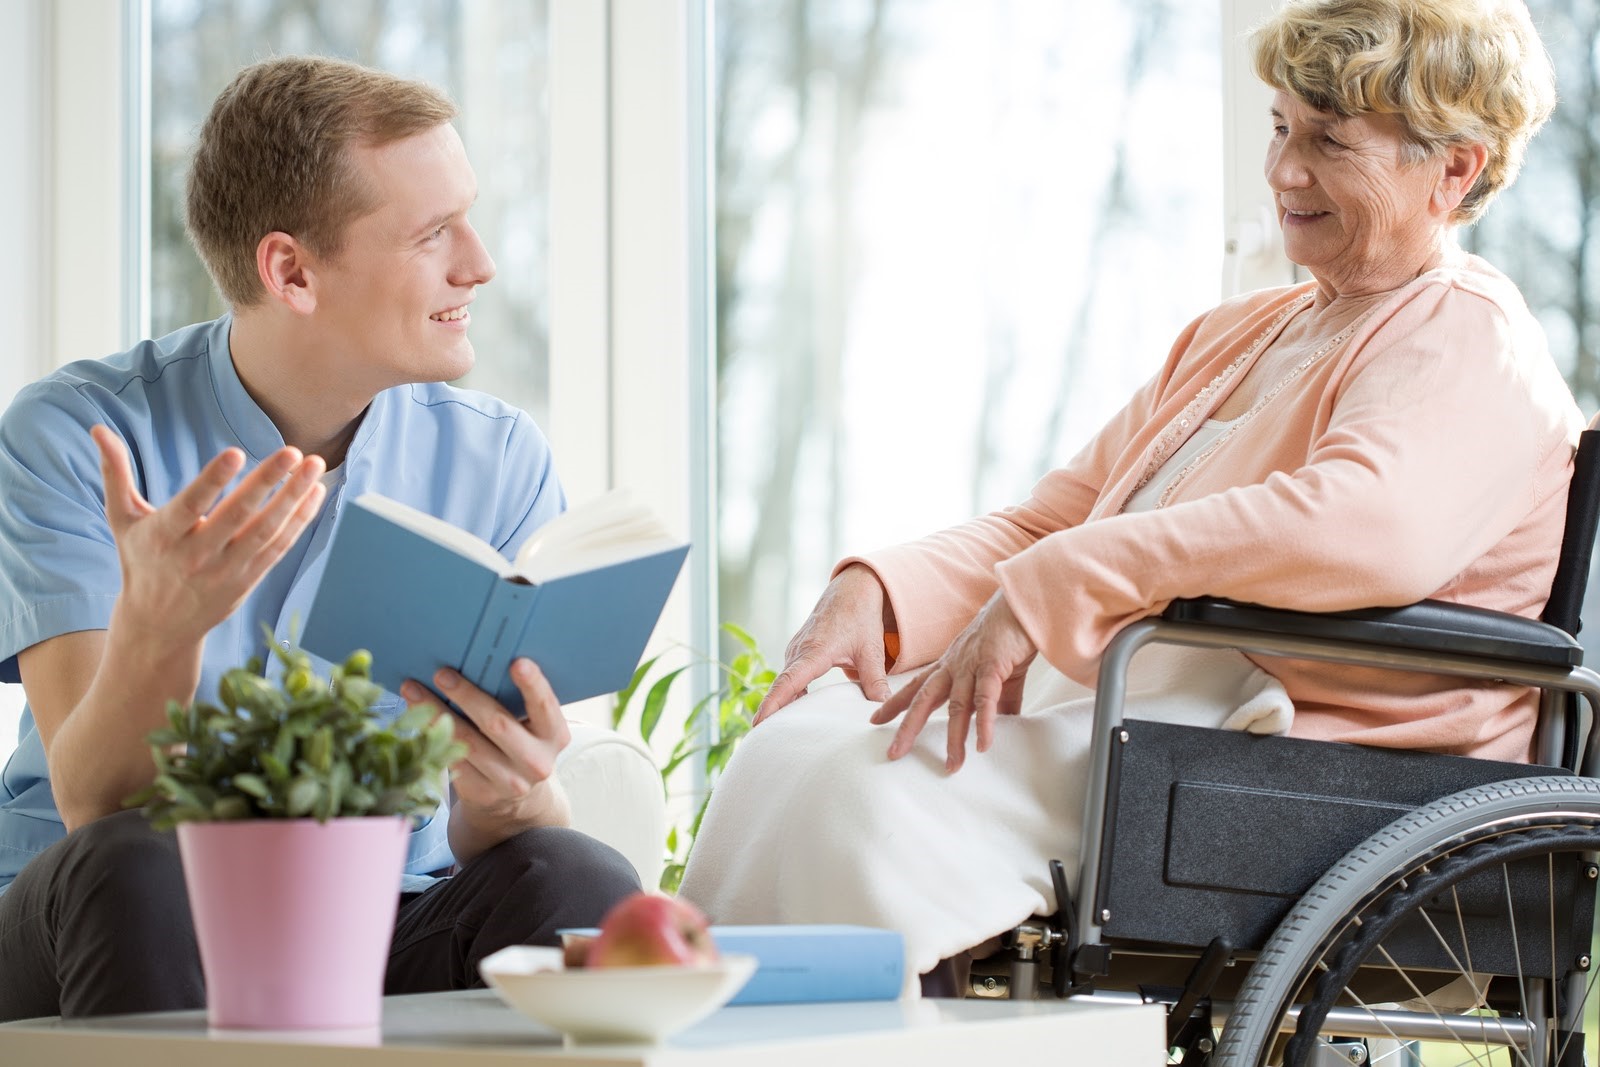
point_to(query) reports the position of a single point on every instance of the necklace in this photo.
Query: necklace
(1177, 430)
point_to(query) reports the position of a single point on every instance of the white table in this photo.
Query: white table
(475, 1027)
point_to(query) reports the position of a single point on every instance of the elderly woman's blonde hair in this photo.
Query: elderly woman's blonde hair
(1453, 71)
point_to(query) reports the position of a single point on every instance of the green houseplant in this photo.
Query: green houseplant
(303, 746)
(711, 731)
(293, 804)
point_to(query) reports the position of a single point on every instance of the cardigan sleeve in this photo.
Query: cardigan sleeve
(1429, 457)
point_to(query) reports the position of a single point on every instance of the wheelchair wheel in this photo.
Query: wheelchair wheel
(1461, 932)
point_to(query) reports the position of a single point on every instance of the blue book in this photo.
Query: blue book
(806, 963)
(809, 963)
(580, 599)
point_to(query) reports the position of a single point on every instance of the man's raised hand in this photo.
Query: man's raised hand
(188, 564)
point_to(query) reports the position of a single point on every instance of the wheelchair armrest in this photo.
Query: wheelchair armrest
(1427, 626)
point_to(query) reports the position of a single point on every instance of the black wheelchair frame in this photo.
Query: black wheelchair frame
(1384, 864)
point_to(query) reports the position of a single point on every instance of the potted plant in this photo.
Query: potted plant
(292, 803)
(713, 728)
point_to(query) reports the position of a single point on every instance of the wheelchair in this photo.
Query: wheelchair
(1301, 903)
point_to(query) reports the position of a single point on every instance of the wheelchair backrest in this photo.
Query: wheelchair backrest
(1577, 540)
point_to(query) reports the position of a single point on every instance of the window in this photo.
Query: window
(952, 239)
(493, 60)
(492, 56)
(1544, 231)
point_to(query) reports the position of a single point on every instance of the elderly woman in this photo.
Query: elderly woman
(1392, 429)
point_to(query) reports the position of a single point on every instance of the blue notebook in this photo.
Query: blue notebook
(580, 599)
(804, 963)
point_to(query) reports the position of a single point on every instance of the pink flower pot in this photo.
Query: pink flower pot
(294, 918)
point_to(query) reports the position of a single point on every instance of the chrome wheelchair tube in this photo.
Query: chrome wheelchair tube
(1381, 1023)
(1109, 697)
(1417, 1026)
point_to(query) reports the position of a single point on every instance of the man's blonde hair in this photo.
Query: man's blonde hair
(273, 155)
(1454, 71)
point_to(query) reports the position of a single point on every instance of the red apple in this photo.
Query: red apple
(651, 930)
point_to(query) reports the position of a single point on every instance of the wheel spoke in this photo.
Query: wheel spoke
(1516, 946)
(1377, 922)
(1417, 994)
(1478, 995)
(1461, 925)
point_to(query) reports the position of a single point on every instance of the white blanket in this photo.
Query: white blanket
(812, 824)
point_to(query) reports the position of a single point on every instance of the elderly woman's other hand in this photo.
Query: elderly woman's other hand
(845, 629)
(980, 676)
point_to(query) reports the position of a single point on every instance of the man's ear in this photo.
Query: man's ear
(1463, 162)
(287, 272)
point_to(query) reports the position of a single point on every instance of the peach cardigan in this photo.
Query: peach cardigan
(1425, 454)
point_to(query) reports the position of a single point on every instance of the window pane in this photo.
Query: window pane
(489, 55)
(952, 239)
(1543, 231)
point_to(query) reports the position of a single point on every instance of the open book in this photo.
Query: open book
(580, 598)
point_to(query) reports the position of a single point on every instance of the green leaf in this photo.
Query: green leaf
(739, 634)
(277, 770)
(233, 807)
(697, 712)
(655, 702)
(249, 783)
(415, 718)
(141, 798)
(391, 801)
(361, 691)
(186, 813)
(169, 786)
(672, 877)
(677, 759)
(625, 694)
(323, 809)
(699, 817)
(717, 756)
(359, 663)
(319, 752)
(303, 796)
(338, 784)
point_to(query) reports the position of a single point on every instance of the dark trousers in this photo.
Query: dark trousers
(98, 924)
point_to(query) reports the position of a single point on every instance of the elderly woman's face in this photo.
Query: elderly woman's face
(1353, 211)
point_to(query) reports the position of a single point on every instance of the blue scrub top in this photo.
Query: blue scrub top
(177, 402)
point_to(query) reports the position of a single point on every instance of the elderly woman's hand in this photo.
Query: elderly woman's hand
(980, 675)
(845, 629)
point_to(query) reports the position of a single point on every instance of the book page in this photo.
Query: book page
(436, 530)
(609, 529)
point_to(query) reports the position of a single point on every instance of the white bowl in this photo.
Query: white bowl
(622, 1004)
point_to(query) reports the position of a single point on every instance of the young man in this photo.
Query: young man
(164, 503)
